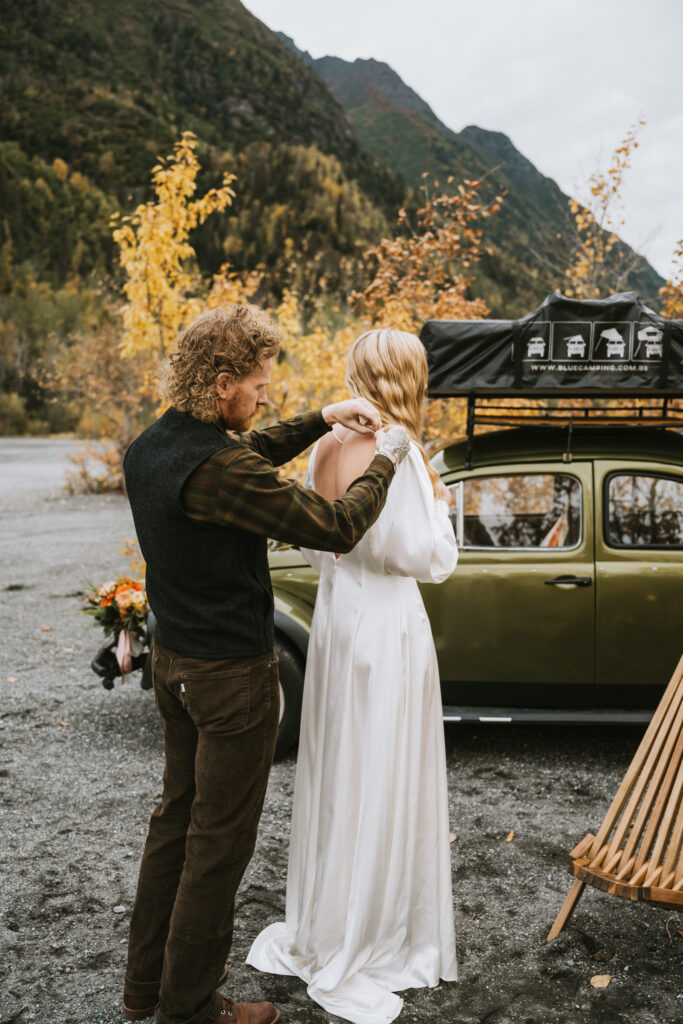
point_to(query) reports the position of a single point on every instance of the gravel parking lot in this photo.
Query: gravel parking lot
(80, 770)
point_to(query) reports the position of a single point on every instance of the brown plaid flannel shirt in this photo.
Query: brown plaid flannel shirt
(239, 487)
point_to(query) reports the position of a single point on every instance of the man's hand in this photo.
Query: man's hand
(356, 413)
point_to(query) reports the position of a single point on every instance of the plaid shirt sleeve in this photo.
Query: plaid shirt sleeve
(283, 441)
(238, 487)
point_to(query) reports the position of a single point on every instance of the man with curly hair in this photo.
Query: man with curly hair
(205, 495)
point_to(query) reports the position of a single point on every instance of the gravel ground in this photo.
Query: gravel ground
(80, 770)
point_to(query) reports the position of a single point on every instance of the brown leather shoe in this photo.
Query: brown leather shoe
(138, 1007)
(247, 1013)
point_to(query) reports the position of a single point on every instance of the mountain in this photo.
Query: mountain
(324, 150)
(106, 88)
(529, 237)
(391, 120)
(82, 80)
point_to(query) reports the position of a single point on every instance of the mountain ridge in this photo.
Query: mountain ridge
(323, 149)
(396, 125)
(108, 88)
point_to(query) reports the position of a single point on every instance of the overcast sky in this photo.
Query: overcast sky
(563, 78)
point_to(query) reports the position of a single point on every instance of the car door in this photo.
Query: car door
(639, 578)
(514, 625)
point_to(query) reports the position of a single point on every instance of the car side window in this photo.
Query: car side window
(644, 511)
(522, 510)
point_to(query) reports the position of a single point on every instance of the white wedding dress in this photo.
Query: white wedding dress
(369, 905)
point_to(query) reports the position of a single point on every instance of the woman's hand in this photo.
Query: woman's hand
(356, 413)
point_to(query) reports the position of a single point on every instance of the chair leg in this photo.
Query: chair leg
(567, 909)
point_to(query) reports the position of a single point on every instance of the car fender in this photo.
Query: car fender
(293, 620)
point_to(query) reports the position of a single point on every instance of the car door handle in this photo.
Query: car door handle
(573, 581)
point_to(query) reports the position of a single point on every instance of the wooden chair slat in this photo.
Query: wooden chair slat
(679, 872)
(637, 853)
(581, 848)
(676, 845)
(670, 825)
(654, 737)
(647, 783)
(660, 786)
(600, 856)
(652, 878)
(626, 870)
(638, 876)
(610, 865)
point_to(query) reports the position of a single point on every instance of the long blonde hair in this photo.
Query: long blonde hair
(389, 368)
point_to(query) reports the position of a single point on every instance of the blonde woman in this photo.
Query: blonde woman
(369, 906)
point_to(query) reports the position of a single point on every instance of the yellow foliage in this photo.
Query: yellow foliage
(94, 468)
(228, 286)
(418, 275)
(672, 292)
(41, 186)
(421, 274)
(162, 282)
(80, 182)
(311, 369)
(595, 269)
(131, 550)
(61, 168)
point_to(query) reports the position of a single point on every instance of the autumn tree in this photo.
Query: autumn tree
(114, 405)
(162, 283)
(672, 292)
(600, 263)
(163, 291)
(425, 273)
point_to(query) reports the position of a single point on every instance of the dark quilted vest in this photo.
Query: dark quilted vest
(208, 586)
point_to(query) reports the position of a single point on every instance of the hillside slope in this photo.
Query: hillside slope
(323, 149)
(108, 87)
(530, 237)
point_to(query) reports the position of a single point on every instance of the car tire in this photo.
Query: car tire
(291, 672)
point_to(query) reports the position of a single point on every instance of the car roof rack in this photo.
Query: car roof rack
(662, 411)
(609, 362)
(653, 411)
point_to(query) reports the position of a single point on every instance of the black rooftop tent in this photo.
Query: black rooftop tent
(613, 347)
(580, 358)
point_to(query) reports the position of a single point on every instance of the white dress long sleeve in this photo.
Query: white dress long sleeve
(369, 904)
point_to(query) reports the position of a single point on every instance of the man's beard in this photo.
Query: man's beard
(239, 425)
(245, 424)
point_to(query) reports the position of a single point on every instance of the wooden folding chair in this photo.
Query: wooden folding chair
(638, 851)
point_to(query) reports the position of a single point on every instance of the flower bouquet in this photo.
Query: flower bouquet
(120, 607)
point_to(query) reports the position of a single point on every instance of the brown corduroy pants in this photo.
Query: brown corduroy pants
(220, 721)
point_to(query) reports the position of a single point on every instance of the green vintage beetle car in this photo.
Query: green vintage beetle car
(567, 601)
